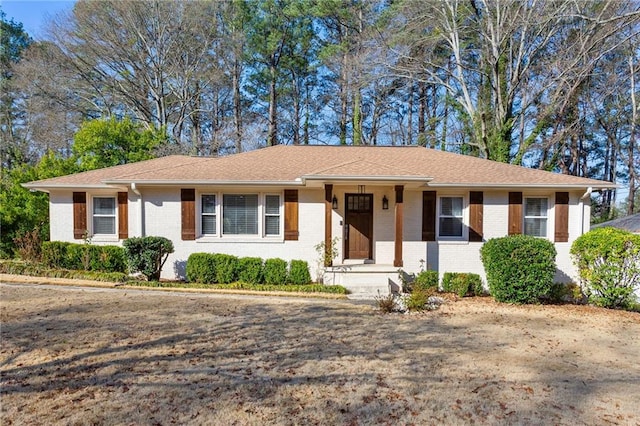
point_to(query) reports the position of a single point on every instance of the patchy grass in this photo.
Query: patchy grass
(103, 356)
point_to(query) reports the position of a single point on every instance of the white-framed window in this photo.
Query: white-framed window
(451, 217)
(271, 215)
(208, 214)
(536, 216)
(104, 216)
(240, 214)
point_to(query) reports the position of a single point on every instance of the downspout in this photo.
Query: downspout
(582, 198)
(136, 191)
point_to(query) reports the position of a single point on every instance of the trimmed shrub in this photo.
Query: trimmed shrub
(250, 270)
(226, 268)
(54, 253)
(85, 257)
(608, 262)
(519, 268)
(462, 284)
(147, 255)
(418, 298)
(299, 272)
(275, 271)
(201, 268)
(425, 280)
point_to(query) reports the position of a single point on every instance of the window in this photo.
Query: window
(535, 217)
(240, 214)
(450, 217)
(104, 215)
(208, 214)
(272, 215)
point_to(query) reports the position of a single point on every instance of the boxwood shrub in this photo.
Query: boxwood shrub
(275, 271)
(226, 268)
(462, 284)
(519, 268)
(425, 280)
(608, 262)
(147, 255)
(87, 257)
(201, 268)
(299, 272)
(250, 270)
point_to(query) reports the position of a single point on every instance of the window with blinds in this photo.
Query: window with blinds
(272, 215)
(535, 216)
(208, 214)
(240, 214)
(104, 215)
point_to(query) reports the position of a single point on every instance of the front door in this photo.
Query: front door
(358, 226)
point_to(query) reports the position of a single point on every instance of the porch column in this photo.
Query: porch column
(397, 259)
(328, 210)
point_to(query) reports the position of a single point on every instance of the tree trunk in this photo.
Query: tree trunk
(272, 138)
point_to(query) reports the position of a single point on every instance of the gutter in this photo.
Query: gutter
(207, 182)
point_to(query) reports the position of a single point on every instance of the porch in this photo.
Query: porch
(364, 280)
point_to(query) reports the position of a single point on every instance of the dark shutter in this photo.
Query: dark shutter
(515, 213)
(476, 210)
(188, 199)
(562, 217)
(291, 230)
(79, 215)
(428, 215)
(123, 215)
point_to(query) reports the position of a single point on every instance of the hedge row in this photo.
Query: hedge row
(38, 270)
(86, 257)
(218, 268)
(462, 284)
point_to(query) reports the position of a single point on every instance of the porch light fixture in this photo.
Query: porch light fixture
(334, 203)
(385, 203)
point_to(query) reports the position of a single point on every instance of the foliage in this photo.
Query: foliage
(565, 292)
(327, 254)
(226, 268)
(309, 288)
(425, 280)
(299, 272)
(519, 268)
(386, 303)
(418, 298)
(608, 262)
(250, 270)
(201, 268)
(87, 257)
(462, 284)
(275, 271)
(21, 210)
(29, 245)
(147, 255)
(111, 142)
(40, 270)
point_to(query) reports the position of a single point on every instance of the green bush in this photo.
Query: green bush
(519, 268)
(275, 271)
(226, 268)
(40, 270)
(147, 255)
(86, 257)
(418, 298)
(425, 280)
(608, 262)
(299, 272)
(462, 284)
(250, 270)
(201, 268)
(54, 253)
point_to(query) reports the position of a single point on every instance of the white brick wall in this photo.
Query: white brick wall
(160, 214)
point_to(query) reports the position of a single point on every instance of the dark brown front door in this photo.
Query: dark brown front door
(358, 226)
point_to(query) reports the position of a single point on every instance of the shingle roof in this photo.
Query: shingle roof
(629, 223)
(289, 164)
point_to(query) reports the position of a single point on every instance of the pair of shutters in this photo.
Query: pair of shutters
(80, 215)
(429, 215)
(561, 234)
(188, 209)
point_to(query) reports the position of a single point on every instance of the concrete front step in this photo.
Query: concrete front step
(364, 280)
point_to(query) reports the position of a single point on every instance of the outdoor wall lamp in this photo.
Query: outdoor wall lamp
(334, 203)
(385, 203)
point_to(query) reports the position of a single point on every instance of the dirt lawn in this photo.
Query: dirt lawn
(97, 356)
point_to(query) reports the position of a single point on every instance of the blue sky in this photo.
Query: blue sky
(34, 14)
